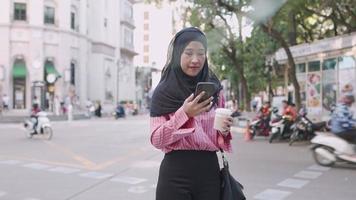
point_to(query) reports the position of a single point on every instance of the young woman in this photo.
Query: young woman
(182, 126)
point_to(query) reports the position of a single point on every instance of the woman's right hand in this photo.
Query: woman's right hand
(192, 108)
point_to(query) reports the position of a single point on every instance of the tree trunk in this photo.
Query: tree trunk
(292, 26)
(243, 81)
(291, 70)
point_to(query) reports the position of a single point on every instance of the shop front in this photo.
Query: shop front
(19, 75)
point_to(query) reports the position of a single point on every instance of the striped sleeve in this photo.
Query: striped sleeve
(167, 130)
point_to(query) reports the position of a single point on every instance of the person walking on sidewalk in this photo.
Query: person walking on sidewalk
(5, 102)
(182, 127)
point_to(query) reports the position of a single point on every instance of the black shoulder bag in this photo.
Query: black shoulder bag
(230, 188)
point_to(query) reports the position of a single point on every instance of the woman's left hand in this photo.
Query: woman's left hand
(227, 125)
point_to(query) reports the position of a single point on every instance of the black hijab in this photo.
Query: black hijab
(175, 86)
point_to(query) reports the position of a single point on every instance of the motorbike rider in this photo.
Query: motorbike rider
(34, 117)
(265, 113)
(289, 110)
(120, 111)
(289, 113)
(342, 122)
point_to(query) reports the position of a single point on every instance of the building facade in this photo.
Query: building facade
(63, 48)
(155, 27)
(324, 69)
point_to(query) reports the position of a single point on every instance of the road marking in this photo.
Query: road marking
(64, 170)
(37, 166)
(2, 193)
(130, 154)
(319, 168)
(10, 162)
(42, 161)
(138, 189)
(293, 183)
(129, 180)
(96, 175)
(146, 164)
(308, 174)
(271, 194)
(88, 164)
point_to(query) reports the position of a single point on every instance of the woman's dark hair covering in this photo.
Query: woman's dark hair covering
(175, 86)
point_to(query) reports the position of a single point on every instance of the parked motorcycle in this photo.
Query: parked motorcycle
(280, 127)
(329, 149)
(258, 127)
(305, 128)
(43, 127)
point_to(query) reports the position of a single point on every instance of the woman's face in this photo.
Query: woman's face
(193, 58)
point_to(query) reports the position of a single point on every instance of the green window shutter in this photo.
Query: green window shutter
(51, 70)
(19, 70)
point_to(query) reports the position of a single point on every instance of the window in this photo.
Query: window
(301, 68)
(145, 37)
(314, 66)
(128, 37)
(72, 73)
(72, 20)
(146, 59)
(49, 15)
(145, 27)
(105, 22)
(20, 11)
(329, 64)
(146, 15)
(128, 11)
(346, 62)
(146, 48)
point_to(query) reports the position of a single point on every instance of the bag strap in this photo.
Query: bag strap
(224, 160)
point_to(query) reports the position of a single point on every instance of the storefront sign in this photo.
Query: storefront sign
(329, 44)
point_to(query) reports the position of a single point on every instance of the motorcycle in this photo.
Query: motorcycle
(258, 127)
(119, 112)
(43, 127)
(279, 128)
(305, 128)
(329, 149)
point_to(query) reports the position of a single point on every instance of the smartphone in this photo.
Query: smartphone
(207, 87)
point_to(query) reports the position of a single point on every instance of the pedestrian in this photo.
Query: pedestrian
(5, 102)
(57, 106)
(182, 127)
(98, 109)
(254, 105)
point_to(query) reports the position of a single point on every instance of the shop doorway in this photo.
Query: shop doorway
(19, 84)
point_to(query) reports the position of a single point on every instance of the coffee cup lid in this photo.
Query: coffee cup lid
(223, 111)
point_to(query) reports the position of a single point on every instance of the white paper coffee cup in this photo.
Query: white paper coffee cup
(220, 115)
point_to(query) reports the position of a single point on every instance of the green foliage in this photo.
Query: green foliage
(297, 21)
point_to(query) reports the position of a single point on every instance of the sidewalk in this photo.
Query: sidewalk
(18, 116)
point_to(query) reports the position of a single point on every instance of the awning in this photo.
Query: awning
(19, 70)
(51, 70)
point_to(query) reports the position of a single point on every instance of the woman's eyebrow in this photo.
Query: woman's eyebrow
(190, 49)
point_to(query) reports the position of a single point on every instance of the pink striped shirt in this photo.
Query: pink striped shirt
(177, 131)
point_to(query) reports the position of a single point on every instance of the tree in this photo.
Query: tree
(268, 21)
(215, 21)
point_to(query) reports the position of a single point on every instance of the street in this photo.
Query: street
(113, 159)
